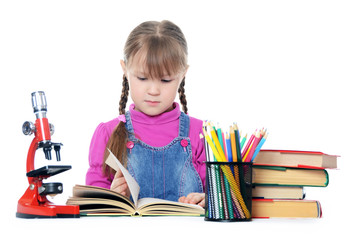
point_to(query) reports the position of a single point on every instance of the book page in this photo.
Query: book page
(133, 186)
(148, 201)
(154, 206)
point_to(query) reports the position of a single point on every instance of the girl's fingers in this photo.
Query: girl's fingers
(118, 174)
(182, 199)
(202, 203)
(121, 188)
(119, 184)
(194, 198)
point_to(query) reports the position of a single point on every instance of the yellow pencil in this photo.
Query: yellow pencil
(213, 148)
(247, 152)
(217, 143)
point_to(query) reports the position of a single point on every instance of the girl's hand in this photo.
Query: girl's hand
(194, 198)
(119, 184)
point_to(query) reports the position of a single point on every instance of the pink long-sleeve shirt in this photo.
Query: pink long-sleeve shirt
(155, 131)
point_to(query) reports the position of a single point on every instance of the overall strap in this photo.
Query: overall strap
(128, 124)
(184, 125)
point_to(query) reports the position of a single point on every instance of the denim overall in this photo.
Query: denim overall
(163, 172)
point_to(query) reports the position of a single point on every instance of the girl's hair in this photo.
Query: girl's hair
(164, 50)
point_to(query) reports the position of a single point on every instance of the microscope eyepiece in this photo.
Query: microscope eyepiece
(42, 127)
(39, 101)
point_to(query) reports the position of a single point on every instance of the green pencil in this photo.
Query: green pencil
(237, 141)
(243, 141)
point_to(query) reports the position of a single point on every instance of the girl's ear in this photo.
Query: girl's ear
(124, 67)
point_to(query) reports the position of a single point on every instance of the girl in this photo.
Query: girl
(159, 144)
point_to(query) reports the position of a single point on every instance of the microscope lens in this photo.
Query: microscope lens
(57, 153)
(47, 152)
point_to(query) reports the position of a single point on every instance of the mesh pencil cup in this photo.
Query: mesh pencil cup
(228, 191)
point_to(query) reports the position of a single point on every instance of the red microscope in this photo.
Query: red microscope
(34, 202)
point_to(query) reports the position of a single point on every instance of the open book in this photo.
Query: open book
(95, 201)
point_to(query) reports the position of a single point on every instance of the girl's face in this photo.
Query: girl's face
(151, 96)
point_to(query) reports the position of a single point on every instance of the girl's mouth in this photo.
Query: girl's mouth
(152, 103)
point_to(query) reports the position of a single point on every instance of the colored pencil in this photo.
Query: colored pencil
(243, 142)
(261, 143)
(233, 144)
(248, 145)
(228, 148)
(217, 144)
(213, 148)
(221, 139)
(237, 142)
(236, 155)
(253, 147)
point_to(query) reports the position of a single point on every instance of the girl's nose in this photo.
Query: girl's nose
(154, 88)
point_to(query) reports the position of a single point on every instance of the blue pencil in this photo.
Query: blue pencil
(257, 149)
(228, 147)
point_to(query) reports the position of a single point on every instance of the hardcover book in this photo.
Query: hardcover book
(297, 159)
(272, 208)
(278, 192)
(271, 175)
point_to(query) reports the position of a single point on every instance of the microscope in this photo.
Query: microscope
(34, 202)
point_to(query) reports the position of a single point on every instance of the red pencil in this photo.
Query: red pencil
(253, 147)
(248, 145)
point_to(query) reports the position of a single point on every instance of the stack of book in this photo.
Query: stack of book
(280, 178)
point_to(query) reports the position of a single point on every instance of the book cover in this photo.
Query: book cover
(297, 159)
(285, 176)
(278, 192)
(272, 208)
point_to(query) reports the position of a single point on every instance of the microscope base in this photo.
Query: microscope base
(29, 206)
(47, 211)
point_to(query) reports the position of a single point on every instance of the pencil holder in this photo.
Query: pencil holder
(228, 191)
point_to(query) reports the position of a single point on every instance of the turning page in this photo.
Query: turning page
(133, 186)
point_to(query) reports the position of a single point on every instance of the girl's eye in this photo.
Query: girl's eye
(166, 80)
(141, 78)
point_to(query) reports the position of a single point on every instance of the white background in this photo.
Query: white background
(290, 66)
